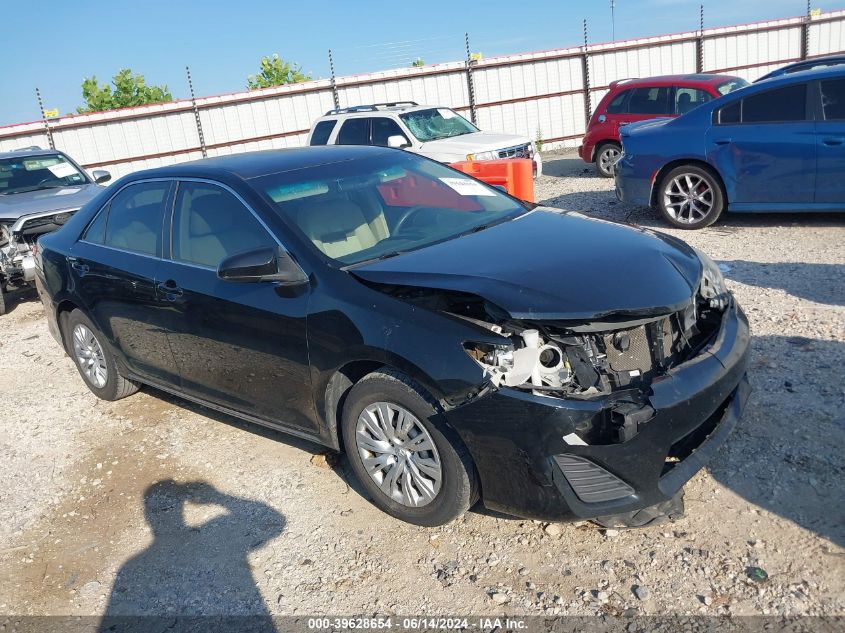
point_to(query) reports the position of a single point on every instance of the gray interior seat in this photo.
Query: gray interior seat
(339, 227)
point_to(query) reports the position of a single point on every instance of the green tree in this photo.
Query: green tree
(129, 90)
(417, 63)
(276, 72)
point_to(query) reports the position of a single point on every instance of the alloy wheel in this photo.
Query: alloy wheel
(608, 158)
(688, 198)
(89, 356)
(399, 454)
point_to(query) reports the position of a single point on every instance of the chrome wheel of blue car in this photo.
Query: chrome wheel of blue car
(690, 197)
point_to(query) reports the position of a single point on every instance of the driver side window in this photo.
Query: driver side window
(210, 224)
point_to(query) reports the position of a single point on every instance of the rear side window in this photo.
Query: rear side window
(731, 113)
(688, 98)
(210, 224)
(384, 128)
(650, 101)
(132, 221)
(322, 132)
(781, 105)
(617, 105)
(833, 99)
(354, 132)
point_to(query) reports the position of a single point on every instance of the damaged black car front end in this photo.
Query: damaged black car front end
(603, 411)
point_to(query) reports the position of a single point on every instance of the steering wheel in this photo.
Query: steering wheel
(407, 215)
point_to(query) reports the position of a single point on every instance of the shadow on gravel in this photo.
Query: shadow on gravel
(194, 570)
(16, 297)
(785, 455)
(603, 204)
(822, 283)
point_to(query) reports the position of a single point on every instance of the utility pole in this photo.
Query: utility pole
(613, 19)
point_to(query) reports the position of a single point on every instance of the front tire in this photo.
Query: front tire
(411, 463)
(690, 197)
(607, 155)
(94, 360)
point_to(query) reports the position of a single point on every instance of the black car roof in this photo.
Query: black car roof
(253, 164)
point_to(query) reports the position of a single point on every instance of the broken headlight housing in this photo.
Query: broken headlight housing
(712, 287)
(499, 356)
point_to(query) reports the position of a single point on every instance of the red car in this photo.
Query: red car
(631, 100)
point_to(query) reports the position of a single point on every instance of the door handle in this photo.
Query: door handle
(722, 141)
(834, 141)
(170, 290)
(79, 267)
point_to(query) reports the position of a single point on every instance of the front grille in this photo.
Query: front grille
(517, 151)
(636, 353)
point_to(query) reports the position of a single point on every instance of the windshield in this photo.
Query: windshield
(31, 173)
(436, 123)
(730, 86)
(380, 206)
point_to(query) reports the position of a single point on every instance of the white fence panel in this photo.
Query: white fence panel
(540, 95)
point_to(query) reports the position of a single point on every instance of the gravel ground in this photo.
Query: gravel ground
(153, 505)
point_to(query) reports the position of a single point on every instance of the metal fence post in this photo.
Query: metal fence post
(44, 118)
(470, 81)
(805, 33)
(196, 114)
(585, 72)
(334, 83)
(699, 42)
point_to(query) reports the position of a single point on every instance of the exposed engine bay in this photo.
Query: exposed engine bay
(18, 243)
(578, 360)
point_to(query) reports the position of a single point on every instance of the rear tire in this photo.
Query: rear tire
(607, 154)
(690, 197)
(411, 463)
(86, 346)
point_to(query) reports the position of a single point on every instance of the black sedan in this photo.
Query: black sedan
(457, 343)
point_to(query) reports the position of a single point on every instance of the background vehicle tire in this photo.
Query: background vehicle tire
(93, 360)
(606, 156)
(690, 197)
(403, 453)
(2, 300)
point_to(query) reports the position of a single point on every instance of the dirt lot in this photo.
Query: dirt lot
(92, 491)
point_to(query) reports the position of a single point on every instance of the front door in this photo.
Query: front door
(764, 147)
(240, 345)
(830, 145)
(114, 267)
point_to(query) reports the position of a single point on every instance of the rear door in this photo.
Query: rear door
(764, 147)
(830, 144)
(648, 103)
(114, 267)
(239, 345)
(354, 131)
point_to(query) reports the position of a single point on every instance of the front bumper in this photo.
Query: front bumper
(631, 187)
(517, 438)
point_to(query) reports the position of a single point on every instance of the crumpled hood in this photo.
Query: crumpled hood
(552, 265)
(474, 143)
(13, 206)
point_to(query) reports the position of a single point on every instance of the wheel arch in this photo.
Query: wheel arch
(599, 144)
(697, 162)
(63, 310)
(330, 400)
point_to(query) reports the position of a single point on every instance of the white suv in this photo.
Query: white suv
(433, 131)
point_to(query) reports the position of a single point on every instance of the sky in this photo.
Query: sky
(54, 46)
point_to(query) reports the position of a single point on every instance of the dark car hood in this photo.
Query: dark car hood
(554, 265)
(14, 205)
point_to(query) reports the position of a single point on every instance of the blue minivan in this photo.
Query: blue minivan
(777, 145)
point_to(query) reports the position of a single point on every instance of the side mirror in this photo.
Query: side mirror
(262, 264)
(101, 176)
(397, 142)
